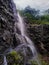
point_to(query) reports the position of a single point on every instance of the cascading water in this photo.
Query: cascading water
(5, 61)
(24, 39)
(29, 43)
(21, 25)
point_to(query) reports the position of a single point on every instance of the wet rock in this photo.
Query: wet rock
(7, 21)
(1, 60)
(40, 35)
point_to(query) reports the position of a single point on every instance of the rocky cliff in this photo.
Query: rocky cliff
(40, 35)
(6, 24)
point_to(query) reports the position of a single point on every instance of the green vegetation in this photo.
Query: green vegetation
(33, 17)
(42, 60)
(15, 58)
(42, 63)
(15, 55)
(33, 63)
(37, 20)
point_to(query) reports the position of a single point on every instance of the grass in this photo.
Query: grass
(42, 62)
(39, 22)
(16, 58)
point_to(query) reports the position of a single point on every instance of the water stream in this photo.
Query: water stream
(5, 60)
(28, 42)
(24, 39)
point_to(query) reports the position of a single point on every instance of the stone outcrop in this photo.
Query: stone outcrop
(40, 35)
(6, 24)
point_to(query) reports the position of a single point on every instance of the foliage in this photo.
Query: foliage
(31, 15)
(16, 55)
(41, 20)
(14, 58)
(42, 60)
(42, 63)
(33, 63)
(45, 17)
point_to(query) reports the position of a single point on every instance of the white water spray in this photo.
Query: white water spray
(5, 61)
(25, 39)
(21, 25)
(29, 43)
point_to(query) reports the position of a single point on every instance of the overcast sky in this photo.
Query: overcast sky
(38, 4)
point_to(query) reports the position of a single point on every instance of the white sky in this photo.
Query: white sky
(38, 4)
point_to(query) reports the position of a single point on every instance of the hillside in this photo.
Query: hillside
(33, 16)
(23, 40)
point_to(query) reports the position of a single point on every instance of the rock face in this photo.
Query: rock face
(40, 35)
(6, 24)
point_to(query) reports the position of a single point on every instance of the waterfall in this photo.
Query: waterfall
(21, 25)
(5, 61)
(29, 43)
(24, 39)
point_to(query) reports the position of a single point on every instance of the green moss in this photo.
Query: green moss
(13, 53)
(14, 58)
(16, 55)
(42, 61)
(14, 64)
(33, 63)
